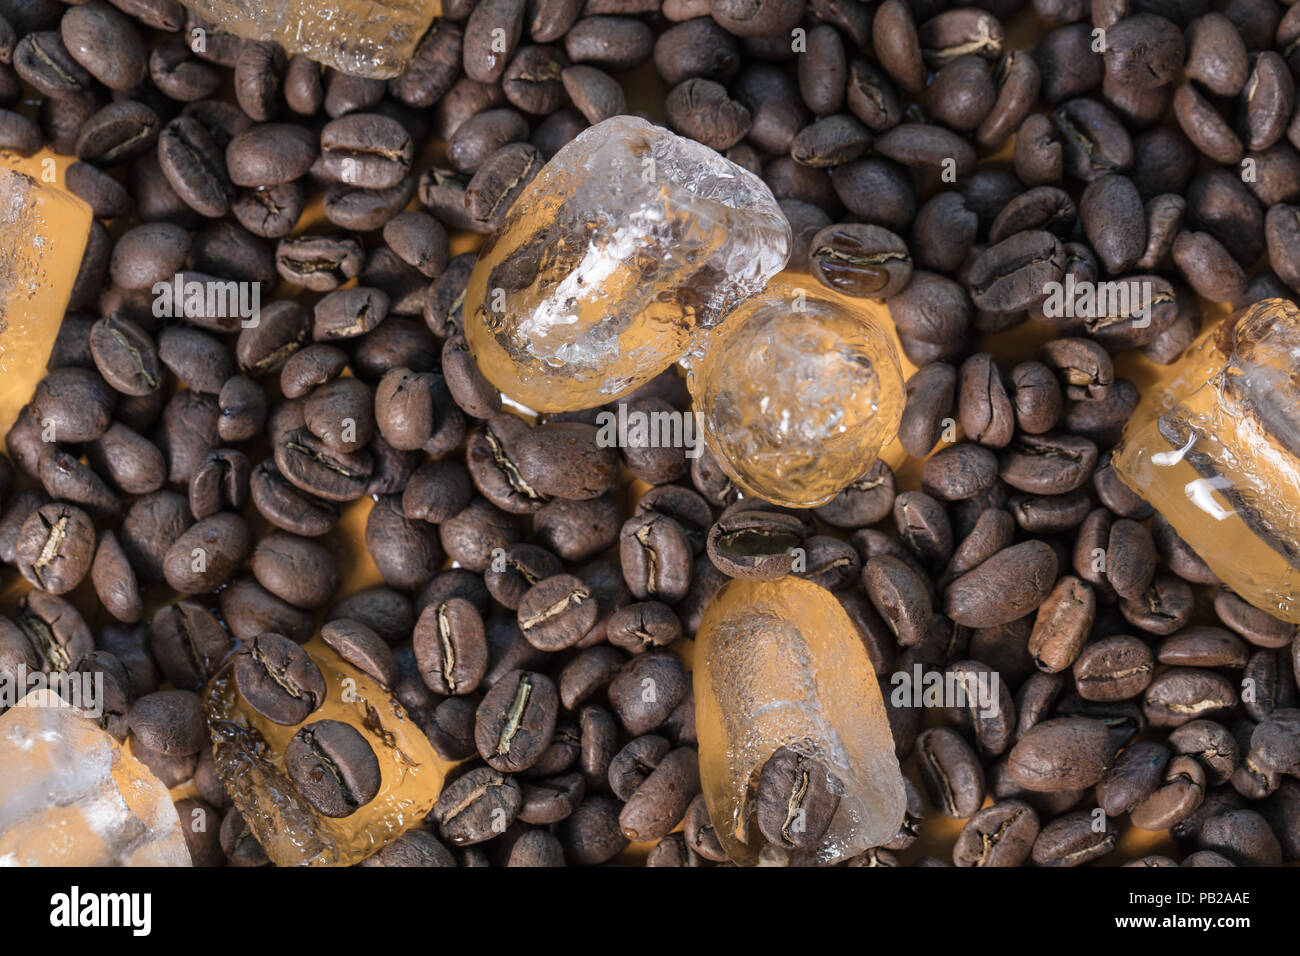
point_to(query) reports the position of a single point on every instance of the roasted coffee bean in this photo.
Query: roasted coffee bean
(557, 612)
(1062, 626)
(278, 679)
(188, 642)
(1181, 694)
(1093, 140)
(73, 405)
(1000, 835)
(55, 547)
(1212, 744)
(1256, 626)
(365, 149)
(1007, 586)
(41, 59)
(333, 767)
(269, 154)
(1048, 464)
(195, 166)
(1072, 840)
(516, 720)
(900, 596)
(860, 260)
(477, 806)
(897, 46)
(797, 798)
(745, 544)
(313, 467)
(637, 628)
(208, 554)
(199, 360)
(67, 479)
(1203, 647)
(929, 405)
(950, 771)
(1205, 127)
(169, 722)
(1062, 754)
(702, 110)
(633, 765)
(1216, 55)
(125, 356)
(984, 408)
(1165, 607)
(642, 712)
(1114, 668)
(1083, 366)
(1011, 275)
(927, 147)
(1135, 776)
(565, 460)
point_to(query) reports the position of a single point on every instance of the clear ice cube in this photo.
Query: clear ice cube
(1215, 447)
(73, 797)
(372, 38)
(797, 394)
(779, 663)
(629, 240)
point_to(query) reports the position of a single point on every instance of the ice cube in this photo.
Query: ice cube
(1215, 447)
(73, 797)
(249, 753)
(43, 234)
(372, 38)
(779, 663)
(797, 394)
(629, 241)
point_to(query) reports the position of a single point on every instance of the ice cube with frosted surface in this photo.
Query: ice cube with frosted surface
(73, 797)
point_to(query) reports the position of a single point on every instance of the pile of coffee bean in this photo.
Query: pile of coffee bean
(180, 474)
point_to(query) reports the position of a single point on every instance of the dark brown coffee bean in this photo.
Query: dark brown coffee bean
(1205, 127)
(797, 798)
(900, 596)
(333, 767)
(1165, 607)
(1203, 647)
(860, 260)
(557, 612)
(1007, 586)
(1135, 775)
(278, 679)
(516, 720)
(55, 547)
(749, 543)
(188, 642)
(1181, 694)
(41, 59)
(1216, 54)
(1114, 668)
(950, 771)
(208, 554)
(1000, 835)
(1062, 754)
(1072, 840)
(929, 405)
